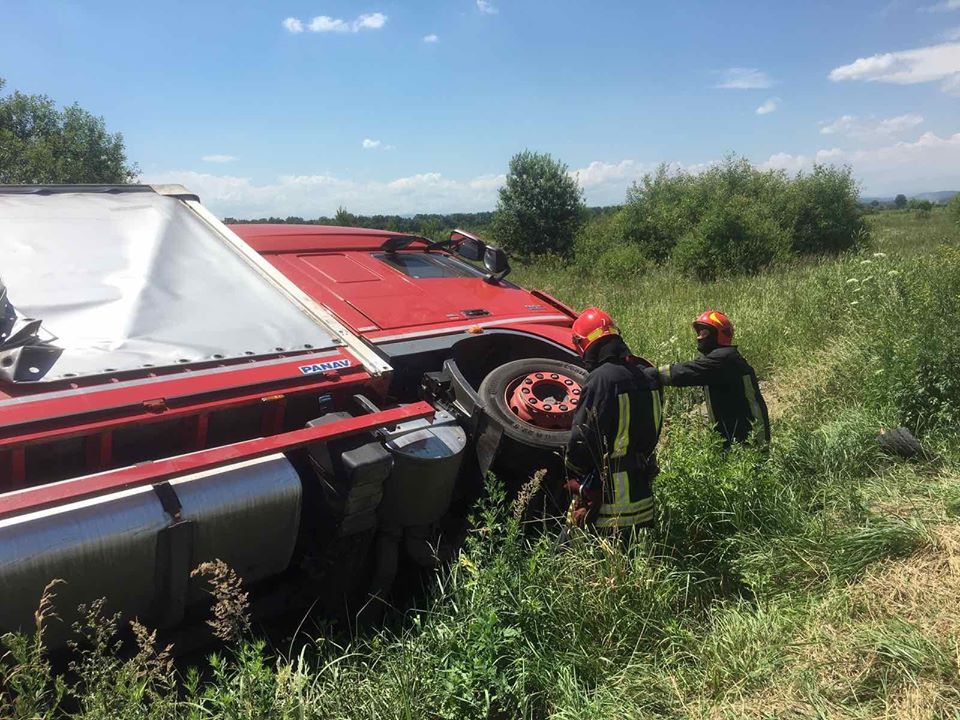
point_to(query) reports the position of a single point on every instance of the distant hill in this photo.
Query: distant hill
(940, 196)
(937, 197)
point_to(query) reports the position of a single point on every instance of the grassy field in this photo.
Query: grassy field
(820, 580)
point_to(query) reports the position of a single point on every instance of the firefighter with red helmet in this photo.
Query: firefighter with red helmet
(611, 454)
(734, 403)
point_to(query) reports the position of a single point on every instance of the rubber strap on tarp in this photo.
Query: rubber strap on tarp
(168, 499)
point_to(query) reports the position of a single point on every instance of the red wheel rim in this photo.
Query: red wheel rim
(544, 399)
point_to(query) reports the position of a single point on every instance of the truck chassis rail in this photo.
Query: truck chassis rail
(36, 498)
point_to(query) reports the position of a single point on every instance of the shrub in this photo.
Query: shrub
(821, 212)
(622, 261)
(732, 237)
(660, 209)
(602, 251)
(953, 208)
(734, 218)
(595, 237)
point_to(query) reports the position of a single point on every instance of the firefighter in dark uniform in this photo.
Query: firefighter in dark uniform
(611, 455)
(734, 403)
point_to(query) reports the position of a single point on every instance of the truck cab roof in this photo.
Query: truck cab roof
(386, 295)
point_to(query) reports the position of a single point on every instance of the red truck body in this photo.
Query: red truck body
(414, 331)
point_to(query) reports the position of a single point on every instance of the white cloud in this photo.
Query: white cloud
(369, 21)
(431, 180)
(311, 196)
(293, 25)
(487, 8)
(327, 24)
(906, 67)
(431, 38)
(786, 161)
(870, 128)
(218, 158)
(738, 78)
(599, 173)
(951, 85)
(769, 106)
(897, 124)
(488, 182)
(371, 144)
(929, 163)
(945, 6)
(841, 125)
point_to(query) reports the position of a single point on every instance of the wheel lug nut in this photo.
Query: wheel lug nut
(548, 408)
(568, 381)
(525, 390)
(528, 381)
(576, 392)
(554, 376)
(539, 376)
(563, 408)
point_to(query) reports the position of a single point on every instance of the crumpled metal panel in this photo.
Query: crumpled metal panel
(128, 280)
(247, 515)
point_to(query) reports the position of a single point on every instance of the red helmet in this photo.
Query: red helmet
(718, 322)
(592, 324)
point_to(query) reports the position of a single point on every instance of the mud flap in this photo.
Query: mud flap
(488, 444)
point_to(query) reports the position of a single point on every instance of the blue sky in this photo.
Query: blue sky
(390, 106)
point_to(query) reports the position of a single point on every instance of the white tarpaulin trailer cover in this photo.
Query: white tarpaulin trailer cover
(106, 280)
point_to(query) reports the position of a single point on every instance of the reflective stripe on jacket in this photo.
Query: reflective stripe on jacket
(614, 437)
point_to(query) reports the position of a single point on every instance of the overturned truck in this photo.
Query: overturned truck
(309, 404)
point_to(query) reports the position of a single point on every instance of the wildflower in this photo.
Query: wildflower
(855, 302)
(866, 262)
(852, 280)
(879, 255)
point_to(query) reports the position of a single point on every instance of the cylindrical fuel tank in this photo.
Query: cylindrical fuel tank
(426, 462)
(128, 548)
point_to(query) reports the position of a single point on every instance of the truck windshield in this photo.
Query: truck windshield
(424, 266)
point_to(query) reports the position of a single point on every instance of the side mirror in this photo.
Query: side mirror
(471, 249)
(496, 263)
(467, 245)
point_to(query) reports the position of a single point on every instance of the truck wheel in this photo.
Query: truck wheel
(533, 400)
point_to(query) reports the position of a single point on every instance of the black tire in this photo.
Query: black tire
(494, 386)
(900, 441)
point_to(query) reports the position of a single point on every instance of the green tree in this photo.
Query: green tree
(900, 201)
(344, 218)
(41, 144)
(540, 206)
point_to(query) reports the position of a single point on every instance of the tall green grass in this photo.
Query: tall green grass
(774, 585)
